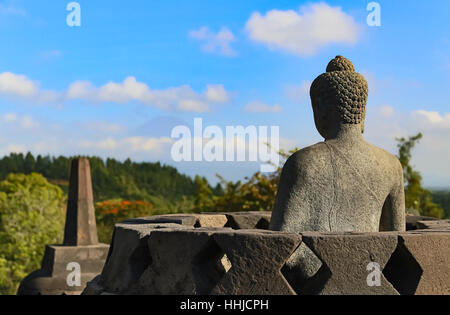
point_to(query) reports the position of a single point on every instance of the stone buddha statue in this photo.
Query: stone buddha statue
(343, 184)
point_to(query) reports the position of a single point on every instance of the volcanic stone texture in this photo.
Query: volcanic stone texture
(172, 258)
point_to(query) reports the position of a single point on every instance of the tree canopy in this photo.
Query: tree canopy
(31, 215)
(418, 199)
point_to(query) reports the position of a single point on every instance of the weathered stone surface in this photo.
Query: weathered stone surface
(431, 251)
(346, 257)
(188, 220)
(300, 267)
(433, 225)
(184, 261)
(248, 220)
(129, 254)
(211, 220)
(256, 259)
(93, 287)
(194, 220)
(411, 221)
(344, 183)
(51, 279)
(149, 258)
(80, 226)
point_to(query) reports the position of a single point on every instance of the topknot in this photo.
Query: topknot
(340, 64)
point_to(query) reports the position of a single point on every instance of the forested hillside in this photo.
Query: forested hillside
(164, 186)
(443, 198)
(111, 178)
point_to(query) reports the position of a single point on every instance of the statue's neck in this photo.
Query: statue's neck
(346, 133)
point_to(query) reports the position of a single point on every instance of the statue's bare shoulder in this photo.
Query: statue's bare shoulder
(308, 163)
(389, 161)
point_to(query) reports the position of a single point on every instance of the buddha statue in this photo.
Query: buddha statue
(343, 184)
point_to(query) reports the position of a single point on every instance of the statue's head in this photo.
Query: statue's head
(339, 97)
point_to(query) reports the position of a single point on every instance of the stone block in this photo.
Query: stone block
(51, 279)
(184, 262)
(193, 220)
(433, 225)
(129, 255)
(256, 259)
(411, 221)
(346, 258)
(248, 220)
(431, 252)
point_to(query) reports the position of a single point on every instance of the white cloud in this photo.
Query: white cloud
(386, 111)
(19, 86)
(430, 155)
(298, 93)
(217, 94)
(15, 148)
(16, 85)
(431, 120)
(80, 90)
(182, 98)
(260, 107)
(9, 118)
(125, 147)
(24, 122)
(124, 92)
(218, 43)
(107, 144)
(303, 32)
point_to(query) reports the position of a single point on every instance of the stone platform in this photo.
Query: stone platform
(231, 253)
(51, 279)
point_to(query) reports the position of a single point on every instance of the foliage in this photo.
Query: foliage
(418, 199)
(110, 179)
(111, 212)
(256, 193)
(443, 198)
(31, 216)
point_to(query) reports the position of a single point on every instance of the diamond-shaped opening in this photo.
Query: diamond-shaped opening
(305, 272)
(262, 224)
(209, 267)
(403, 271)
(231, 223)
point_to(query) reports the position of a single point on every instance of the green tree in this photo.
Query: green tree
(110, 212)
(418, 199)
(31, 216)
(256, 193)
(203, 200)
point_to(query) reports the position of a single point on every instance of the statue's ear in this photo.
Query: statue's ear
(323, 110)
(319, 107)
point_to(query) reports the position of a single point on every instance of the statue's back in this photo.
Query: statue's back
(335, 187)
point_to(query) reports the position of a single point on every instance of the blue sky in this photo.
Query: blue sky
(118, 84)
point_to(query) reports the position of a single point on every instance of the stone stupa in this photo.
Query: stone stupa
(80, 250)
